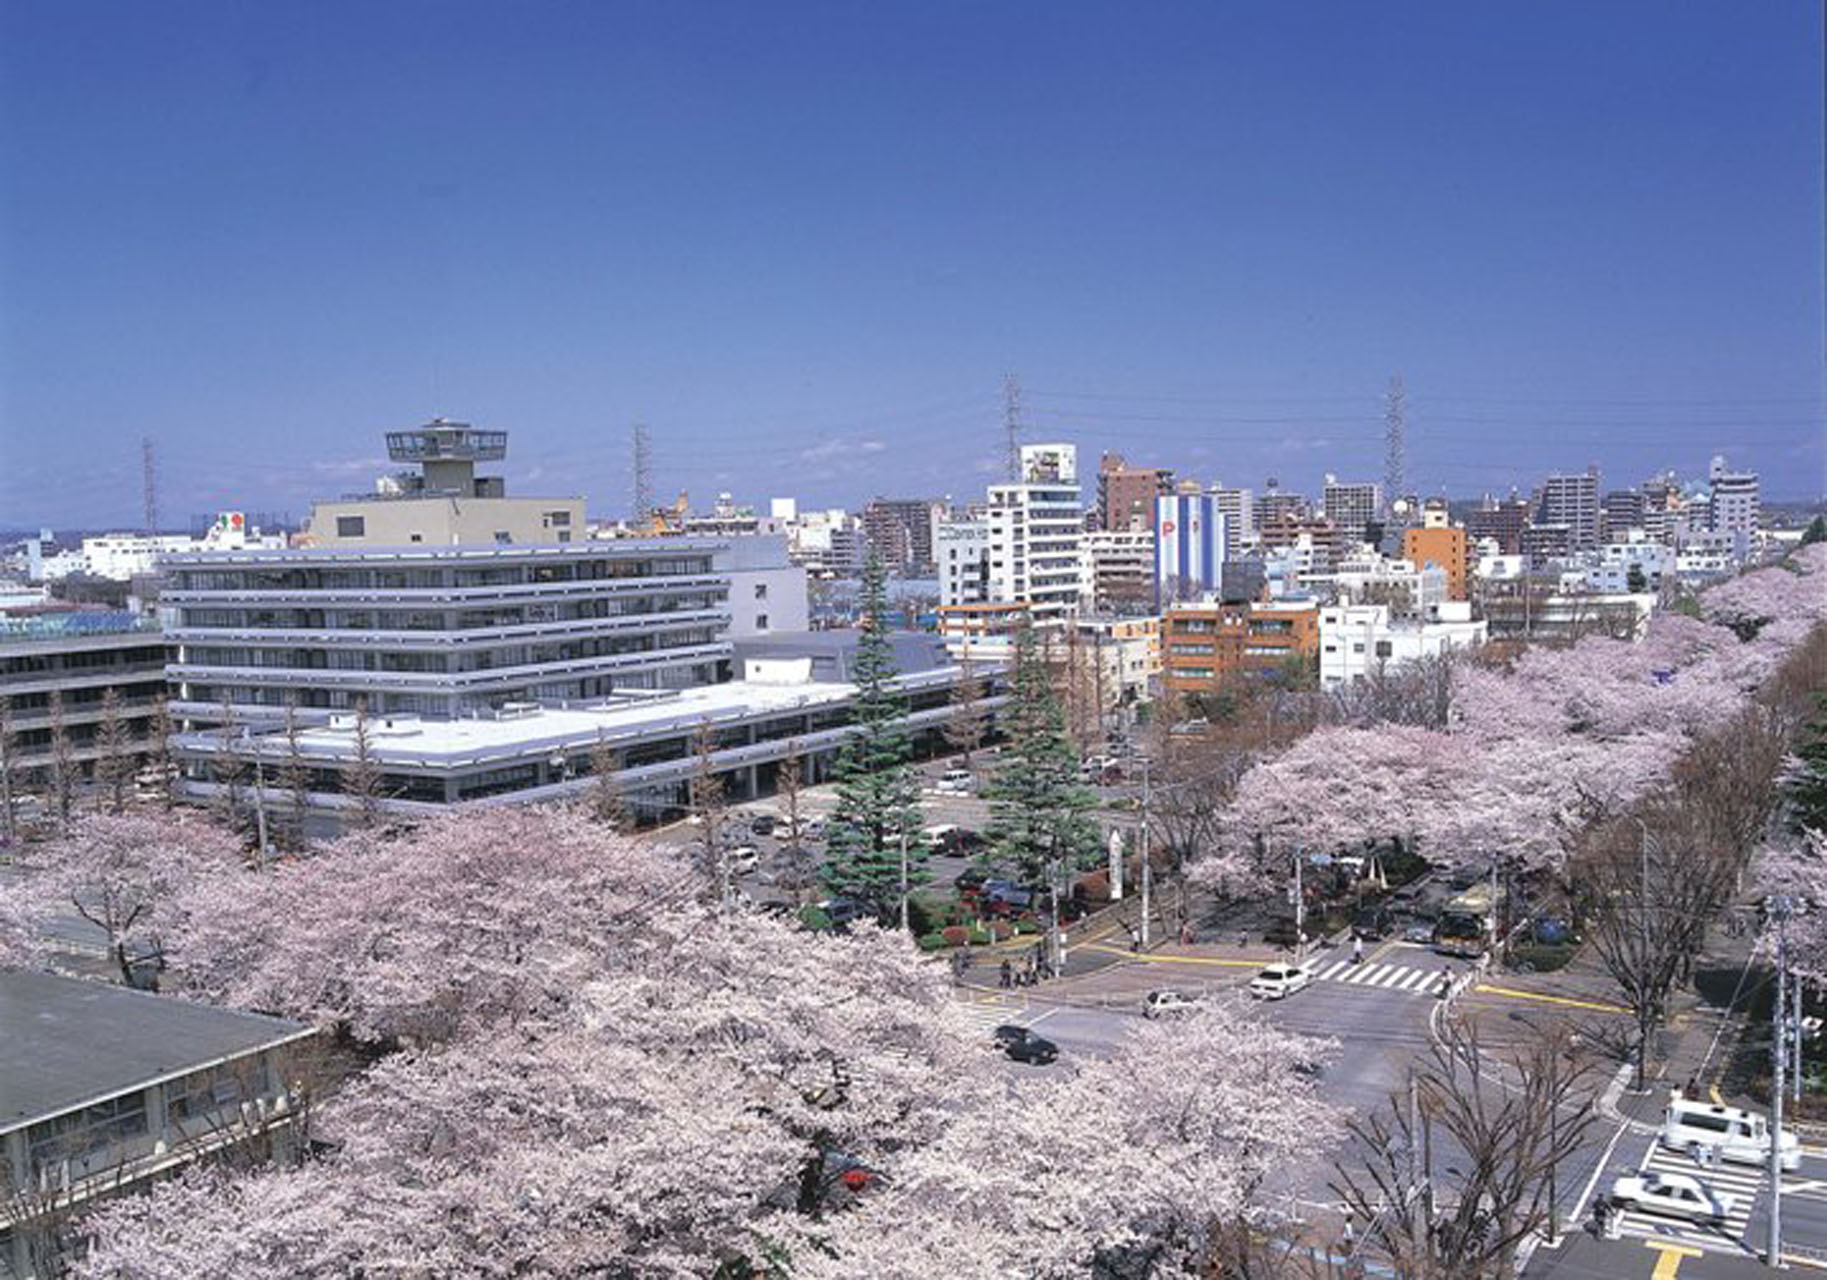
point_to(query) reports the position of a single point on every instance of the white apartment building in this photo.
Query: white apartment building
(125, 556)
(1370, 577)
(1732, 501)
(962, 550)
(1611, 572)
(767, 590)
(827, 544)
(1359, 639)
(1352, 507)
(1238, 507)
(1037, 531)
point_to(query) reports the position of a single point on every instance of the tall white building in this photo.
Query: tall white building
(1352, 507)
(1037, 529)
(1732, 502)
(962, 549)
(1238, 507)
(1118, 570)
(1358, 639)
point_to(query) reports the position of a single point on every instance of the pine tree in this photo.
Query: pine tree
(9, 824)
(1039, 823)
(878, 802)
(1815, 532)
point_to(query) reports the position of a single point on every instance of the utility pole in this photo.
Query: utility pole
(1795, 1037)
(1643, 944)
(1142, 841)
(1056, 944)
(1773, 1259)
(1300, 907)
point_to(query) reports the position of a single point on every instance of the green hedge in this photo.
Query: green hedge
(933, 942)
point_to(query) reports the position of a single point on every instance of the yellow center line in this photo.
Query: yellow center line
(1488, 990)
(1670, 1260)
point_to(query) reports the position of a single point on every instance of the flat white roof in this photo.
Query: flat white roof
(404, 739)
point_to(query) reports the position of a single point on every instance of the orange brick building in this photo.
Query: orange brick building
(1204, 645)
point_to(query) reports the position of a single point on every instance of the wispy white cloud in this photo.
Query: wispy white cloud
(349, 466)
(838, 447)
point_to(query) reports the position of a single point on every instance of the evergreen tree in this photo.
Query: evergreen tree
(878, 802)
(1807, 780)
(1039, 824)
(1815, 532)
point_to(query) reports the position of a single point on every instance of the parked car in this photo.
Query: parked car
(1418, 931)
(744, 858)
(1023, 1045)
(842, 912)
(959, 842)
(955, 781)
(1551, 931)
(1167, 1004)
(764, 824)
(1673, 1195)
(1279, 981)
(970, 880)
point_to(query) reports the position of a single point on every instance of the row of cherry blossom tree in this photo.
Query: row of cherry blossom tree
(1531, 753)
(563, 1060)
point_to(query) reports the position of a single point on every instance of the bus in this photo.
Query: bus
(1468, 922)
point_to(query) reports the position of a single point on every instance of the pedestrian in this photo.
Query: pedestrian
(1692, 1088)
(1357, 951)
(1008, 974)
(1186, 934)
(1348, 1237)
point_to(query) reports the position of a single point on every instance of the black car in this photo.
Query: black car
(764, 824)
(1023, 1045)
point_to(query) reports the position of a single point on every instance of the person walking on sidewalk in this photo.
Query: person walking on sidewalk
(1357, 951)
(1008, 974)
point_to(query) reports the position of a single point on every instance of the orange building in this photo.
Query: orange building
(1444, 547)
(1204, 645)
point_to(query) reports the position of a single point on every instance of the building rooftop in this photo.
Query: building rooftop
(594, 549)
(69, 1043)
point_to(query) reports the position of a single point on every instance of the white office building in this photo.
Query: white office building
(1732, 502)
(1037, 532)
(1359, 639)
(962, 550)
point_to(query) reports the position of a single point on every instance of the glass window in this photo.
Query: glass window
(351, 526)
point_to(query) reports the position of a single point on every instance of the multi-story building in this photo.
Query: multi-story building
(827, 544)
(1118, 567)
(109, 1091)
(963, 551)
(1126, 495)
(445, 503)
(1441, 545)
(1238, 507)
(1546, 544)
(1572, 500)
(1501, 522)
(125, 556)
(1620, 511)
(1191, 546)
(1352, 508)
(1632, 562)
(441, 631)
(900, 532)
(984, 631)
(1663, 503)
(1207, 644)
(59, 666)
(1357, 640)
(1732, 502)
(1275, 506)
(1036, 532)
(1317, 540)
(767, 590)
(1409, 590)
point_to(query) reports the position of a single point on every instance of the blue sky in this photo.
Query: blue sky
(804, 243)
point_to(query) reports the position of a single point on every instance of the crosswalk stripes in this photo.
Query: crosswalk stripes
(1742, 1183)
(1386, 977)
(985, 1015)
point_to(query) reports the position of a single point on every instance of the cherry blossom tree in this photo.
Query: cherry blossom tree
(130, 875)
(1798, 867)
(487, 915)
(1168, 1140)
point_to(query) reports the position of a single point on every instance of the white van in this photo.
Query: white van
(1700, 1128)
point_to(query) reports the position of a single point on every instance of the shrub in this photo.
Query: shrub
(979, 936)
(1540, 957)
(932, 942)
(955, 935)
(814, 918)
(1027, 924)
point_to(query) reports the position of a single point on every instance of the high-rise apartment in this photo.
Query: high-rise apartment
(1036, 530)
(1126, 495)
(1352, 508)
(899, 532)
(1190, 548)
(1732, 500)
(1572, 499)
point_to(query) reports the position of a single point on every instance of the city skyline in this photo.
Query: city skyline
(804, 246)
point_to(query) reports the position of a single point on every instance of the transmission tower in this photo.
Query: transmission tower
(1395, 450)
(149, 485)
(642, 470)
(1011, 425)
